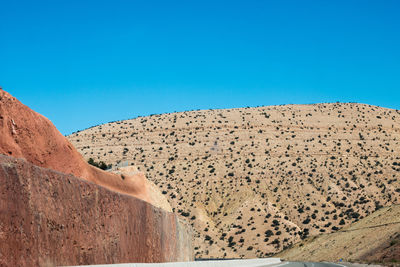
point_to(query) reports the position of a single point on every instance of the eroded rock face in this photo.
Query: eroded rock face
(29, 135)
(51, 218)
(157, 198)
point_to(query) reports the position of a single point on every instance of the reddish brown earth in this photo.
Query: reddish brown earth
(49, 218)
(29, 135)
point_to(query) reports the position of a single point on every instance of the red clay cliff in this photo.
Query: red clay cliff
(29, 135)
(49, 217)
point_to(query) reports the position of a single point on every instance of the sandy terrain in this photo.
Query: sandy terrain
(376, 238)
(253, 181)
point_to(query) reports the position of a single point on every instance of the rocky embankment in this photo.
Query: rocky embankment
(29, 135)
(55, 209)
(51, 218)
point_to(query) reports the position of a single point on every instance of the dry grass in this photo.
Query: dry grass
(372, 239)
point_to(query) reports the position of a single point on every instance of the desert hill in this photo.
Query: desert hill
(376, 238)
(253, 181)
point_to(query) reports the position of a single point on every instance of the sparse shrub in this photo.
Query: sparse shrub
(101, 165)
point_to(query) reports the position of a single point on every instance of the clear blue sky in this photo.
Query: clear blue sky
(82, 63)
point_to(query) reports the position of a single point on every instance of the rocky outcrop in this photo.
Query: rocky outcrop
(157, 198)
(29, 135)
(49, 218)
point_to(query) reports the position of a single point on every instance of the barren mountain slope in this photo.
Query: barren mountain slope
(376, 238)
(254, 180)
(26, 134)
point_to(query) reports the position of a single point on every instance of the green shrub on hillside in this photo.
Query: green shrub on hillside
(100, 165)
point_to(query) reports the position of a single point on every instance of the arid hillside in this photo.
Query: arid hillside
(253, 181)
(376, 238)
